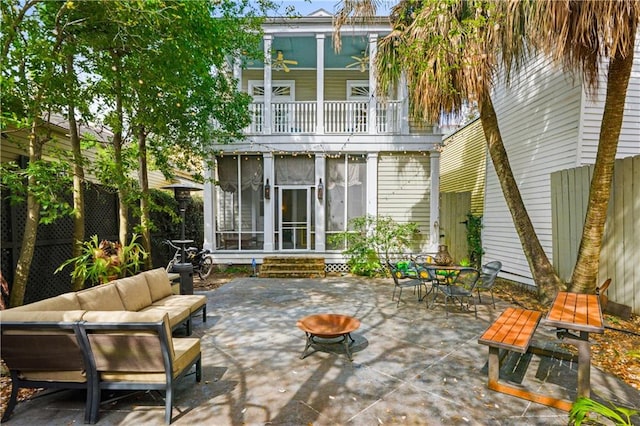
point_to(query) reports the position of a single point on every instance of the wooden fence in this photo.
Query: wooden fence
(620, 256)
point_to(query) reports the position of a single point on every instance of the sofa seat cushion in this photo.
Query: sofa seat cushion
(72, 376)
(195, 302)
(177, 314)
(64, 302)
(104, 297)
(134, 292)
(159, 283)
(187, 350)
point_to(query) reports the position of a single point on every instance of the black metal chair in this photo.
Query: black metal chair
(487, 280)
(405, 274)
(462, 288)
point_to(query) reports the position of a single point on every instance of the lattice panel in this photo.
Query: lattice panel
(336, 267)
(102, 217)
(43, 282)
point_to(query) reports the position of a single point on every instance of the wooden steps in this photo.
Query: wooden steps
(292, 267)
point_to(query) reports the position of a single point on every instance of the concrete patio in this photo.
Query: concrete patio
(411, 365)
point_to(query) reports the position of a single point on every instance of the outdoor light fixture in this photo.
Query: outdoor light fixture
(267, 190)
(320, 190)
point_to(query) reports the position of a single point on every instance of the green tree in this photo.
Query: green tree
(587, 37)
(449, 51)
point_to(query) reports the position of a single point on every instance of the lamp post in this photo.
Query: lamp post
(182, 194)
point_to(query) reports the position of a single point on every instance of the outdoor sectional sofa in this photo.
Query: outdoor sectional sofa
(113, 336)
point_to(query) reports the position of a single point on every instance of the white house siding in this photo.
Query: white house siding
(538, 117)
(629, 143)
(404, 190)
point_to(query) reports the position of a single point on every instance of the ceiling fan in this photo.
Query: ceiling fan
(280, 63)
(362, 61)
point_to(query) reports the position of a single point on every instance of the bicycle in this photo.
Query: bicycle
(200, 259)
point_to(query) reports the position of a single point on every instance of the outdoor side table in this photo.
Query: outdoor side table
(328, 327)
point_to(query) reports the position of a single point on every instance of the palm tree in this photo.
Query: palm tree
(581, 35)
(450, 52)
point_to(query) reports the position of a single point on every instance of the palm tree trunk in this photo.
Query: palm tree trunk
(585, 273)
(545, 277)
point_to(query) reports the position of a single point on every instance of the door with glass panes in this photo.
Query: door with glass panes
(294, 218)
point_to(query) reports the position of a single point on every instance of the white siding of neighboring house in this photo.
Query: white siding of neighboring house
(538, 117)
(547, 124)
(404, 190)
(629, 143)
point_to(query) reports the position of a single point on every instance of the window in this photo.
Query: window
(346, 193)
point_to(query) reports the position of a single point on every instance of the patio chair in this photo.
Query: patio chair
(487, 279)
(404, 274)
(462, 288)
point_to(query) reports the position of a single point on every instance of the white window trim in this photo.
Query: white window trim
(357, 83)
(275, 83)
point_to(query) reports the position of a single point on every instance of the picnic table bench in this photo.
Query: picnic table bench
(514, 330)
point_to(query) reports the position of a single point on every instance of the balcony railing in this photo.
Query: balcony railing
(340, 117)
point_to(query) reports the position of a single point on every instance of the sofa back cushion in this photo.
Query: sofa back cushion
(104, 297)
(159, 284)
(120, 349)
(42, 345)
(134, 292)
(63, 302)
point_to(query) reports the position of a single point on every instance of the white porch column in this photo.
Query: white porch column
(434, 207)
(372, 184)
(209, 210)
(268, 170)
(320, 204)
(267, 83)
(373, 49)
(319, 85)
(237, 72)
(404, 98)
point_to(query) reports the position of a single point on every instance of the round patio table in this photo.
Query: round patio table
(328, 327)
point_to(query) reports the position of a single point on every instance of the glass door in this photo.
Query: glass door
(294, 218)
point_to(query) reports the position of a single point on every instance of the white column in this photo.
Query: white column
(372, 184)
(268, 170)
(209, 210)
(320, 84)
(320, 204)
(373, 49)
(267, 83)
(434, 207)
(404, 98)
(237, 73)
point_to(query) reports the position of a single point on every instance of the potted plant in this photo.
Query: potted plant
(104, 261)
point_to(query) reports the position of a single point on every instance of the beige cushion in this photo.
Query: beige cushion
(104, 297)
(54, 376)
(195, 302)
(177, 314)
(123, 316)
(63, 302)
(134, 292)
(186, 351)
(158, 282)
(40, 316)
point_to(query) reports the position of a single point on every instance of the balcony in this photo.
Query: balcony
(340, 117)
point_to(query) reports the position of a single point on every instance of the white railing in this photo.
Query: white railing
(340, 117)
(388, 116)
(293, 117)
(346, 117)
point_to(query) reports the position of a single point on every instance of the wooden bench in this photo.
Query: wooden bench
(513, 331)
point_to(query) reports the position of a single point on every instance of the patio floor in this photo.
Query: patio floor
(411, 365)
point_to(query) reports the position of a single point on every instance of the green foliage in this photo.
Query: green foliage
(49, 182)
(369, 238)
(103, 261)
(584, 406)
(474, 239)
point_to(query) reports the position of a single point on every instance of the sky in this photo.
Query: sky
(304, 7)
